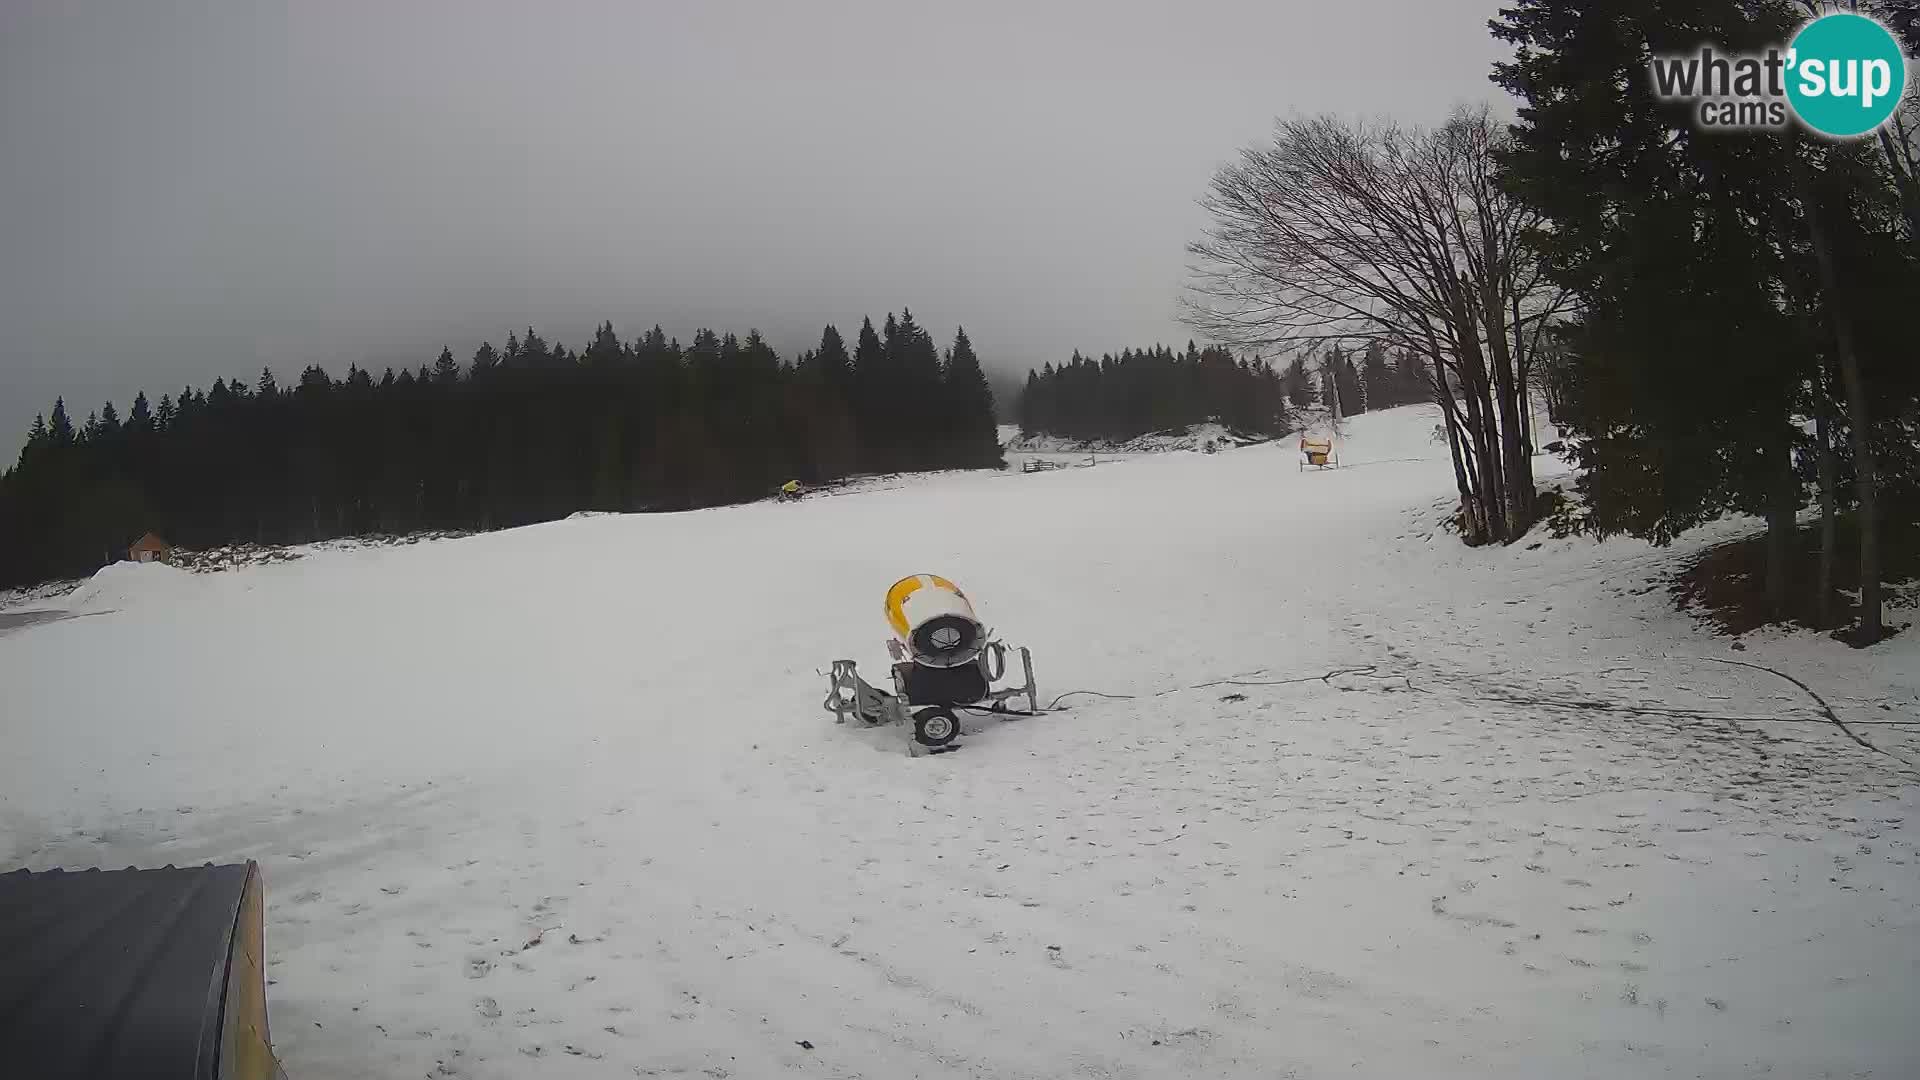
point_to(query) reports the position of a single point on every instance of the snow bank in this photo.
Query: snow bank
(131, 584)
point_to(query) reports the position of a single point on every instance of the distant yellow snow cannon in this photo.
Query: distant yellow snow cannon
(1317, 453)
(945, 659)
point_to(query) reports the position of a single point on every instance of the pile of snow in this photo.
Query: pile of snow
(1195, 437)
(132, 584)
(34, 595)
(560, 801)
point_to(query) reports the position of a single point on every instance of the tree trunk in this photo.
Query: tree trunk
(1829, 475)
(1906, 183)
(1471, 528)
(1515, 465)
(1487, 452)
(1473, 525)
(1479, 417)
(1859, 432)
(1780, 523)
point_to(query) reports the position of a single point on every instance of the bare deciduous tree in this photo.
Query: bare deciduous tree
(1346, 231)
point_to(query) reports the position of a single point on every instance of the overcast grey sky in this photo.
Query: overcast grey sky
(190, 190)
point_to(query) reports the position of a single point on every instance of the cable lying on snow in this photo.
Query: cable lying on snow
(1372, 671)
(1232, 680)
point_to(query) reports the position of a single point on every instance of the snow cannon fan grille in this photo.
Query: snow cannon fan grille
(946, 641)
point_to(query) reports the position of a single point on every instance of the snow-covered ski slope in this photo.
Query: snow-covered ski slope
(560, 801)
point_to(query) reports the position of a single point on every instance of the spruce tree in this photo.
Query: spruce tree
(485, 359)
(873, 387)
(1377, 383)
(925, 422)
(605, 350)
(836, 368)
(1344, 380)
(975, 439)
(1029, 411)
(60, 428)
(1689, 369)
(1298, 384)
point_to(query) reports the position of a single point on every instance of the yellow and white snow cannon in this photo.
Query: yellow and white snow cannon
(945, 659)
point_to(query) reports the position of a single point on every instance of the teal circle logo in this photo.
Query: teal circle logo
(1845, 75)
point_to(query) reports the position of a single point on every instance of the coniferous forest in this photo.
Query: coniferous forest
(526, 433)
(1140, 391)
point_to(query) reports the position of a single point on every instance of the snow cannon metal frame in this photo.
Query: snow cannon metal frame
(945, 660)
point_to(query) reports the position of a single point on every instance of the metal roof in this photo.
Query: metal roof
(116, 973)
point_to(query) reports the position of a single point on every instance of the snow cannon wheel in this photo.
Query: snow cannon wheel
(935, 726)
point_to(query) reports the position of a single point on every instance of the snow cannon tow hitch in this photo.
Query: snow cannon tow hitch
(945, 660)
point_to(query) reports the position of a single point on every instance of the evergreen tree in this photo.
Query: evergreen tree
(1378, 386)
(1030, 411)
(874, 387)
(1298, 384)
(916, 400)
(605, 351)
(60, 428)
(969, 402)
(446, 370)
(1119, 397)
(1730, 287)
(545, 432)
(485, 359)
(1412, 378)
(836, 368)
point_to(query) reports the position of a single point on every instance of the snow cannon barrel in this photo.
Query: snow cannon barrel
(935, 623)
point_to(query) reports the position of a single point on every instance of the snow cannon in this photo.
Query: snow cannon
(945, 659)
(933, 622)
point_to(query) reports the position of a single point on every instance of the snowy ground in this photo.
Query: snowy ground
(559, 801)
